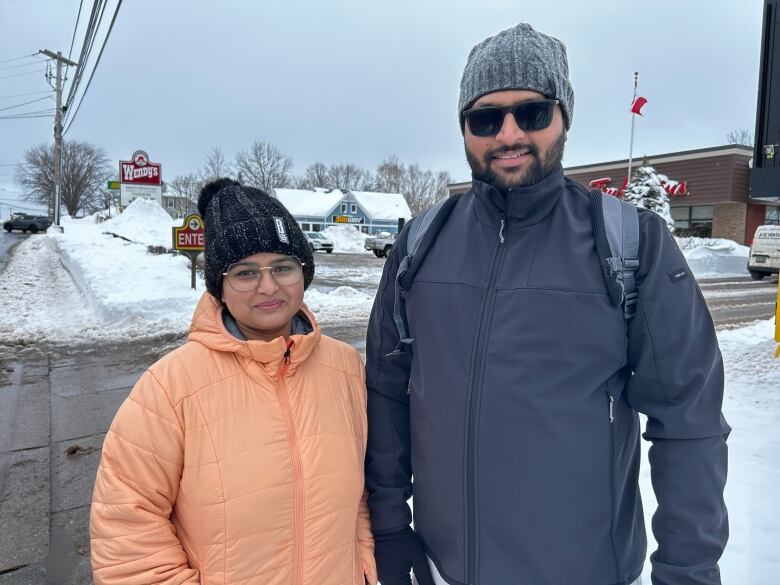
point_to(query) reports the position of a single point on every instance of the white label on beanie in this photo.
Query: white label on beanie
(280, 230)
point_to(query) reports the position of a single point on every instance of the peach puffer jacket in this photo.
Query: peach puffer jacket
(231, 464)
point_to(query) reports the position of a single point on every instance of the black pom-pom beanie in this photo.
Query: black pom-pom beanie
(241, 221)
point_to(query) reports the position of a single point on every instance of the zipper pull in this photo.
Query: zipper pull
(611, 409)
(287, 357)
(501, 231)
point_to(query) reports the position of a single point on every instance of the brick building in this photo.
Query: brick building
(709, 190)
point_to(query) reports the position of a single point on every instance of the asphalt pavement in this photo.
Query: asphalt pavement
(57, 402)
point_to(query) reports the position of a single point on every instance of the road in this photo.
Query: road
(57, 402)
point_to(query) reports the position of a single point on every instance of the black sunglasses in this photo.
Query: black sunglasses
(529, 117)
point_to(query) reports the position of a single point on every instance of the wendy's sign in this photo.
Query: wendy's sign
(140, 171)
(672, 188)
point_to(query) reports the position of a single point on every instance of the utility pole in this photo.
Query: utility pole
(58, 129)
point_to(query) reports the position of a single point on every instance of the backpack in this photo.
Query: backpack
(615, 225)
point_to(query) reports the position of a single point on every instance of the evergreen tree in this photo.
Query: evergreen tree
(645, 191)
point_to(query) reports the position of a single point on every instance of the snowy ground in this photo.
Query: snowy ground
(88, 285)
(714, 258)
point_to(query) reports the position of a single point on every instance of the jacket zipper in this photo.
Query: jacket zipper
(473, 408)
(292, 439)
(612, 482)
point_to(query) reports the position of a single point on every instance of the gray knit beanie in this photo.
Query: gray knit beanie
(241, 221)
(518, 58)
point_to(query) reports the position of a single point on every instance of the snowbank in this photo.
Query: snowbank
(346, 239)
(714, 257)
(143, 221)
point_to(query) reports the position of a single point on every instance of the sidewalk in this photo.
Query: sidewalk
(54, 411)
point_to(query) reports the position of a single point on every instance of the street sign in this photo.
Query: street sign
(190, 238)
(140, 171)
(128, 192)
(191, 235)
(113, 185)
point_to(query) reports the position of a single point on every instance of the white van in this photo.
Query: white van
(765, 252)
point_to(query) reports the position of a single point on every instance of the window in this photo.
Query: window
(772, 215)
(315, 227)
(343, 208)
(364, 229)
(353, 208)
(170, 203)
(305, 227)
(693, 221)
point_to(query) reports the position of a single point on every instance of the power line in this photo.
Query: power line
(108, 34)
(38, 114)
(95, 17)
(19, 58)
(46, 97)
(23, 74)
(2, 97)
(73, 38)
(23, 65)
(75, 28)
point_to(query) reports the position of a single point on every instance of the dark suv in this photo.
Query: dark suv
(25, 223)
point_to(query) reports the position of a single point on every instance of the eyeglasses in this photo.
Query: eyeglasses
(246, 276)
(529, 117)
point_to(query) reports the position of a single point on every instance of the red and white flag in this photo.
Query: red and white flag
(636, 107)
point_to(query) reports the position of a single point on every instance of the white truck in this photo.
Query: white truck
(765, 252)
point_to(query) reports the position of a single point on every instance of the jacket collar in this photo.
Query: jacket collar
(523, 205)
(209, 329)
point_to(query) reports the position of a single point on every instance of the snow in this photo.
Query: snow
(87, 286)
(383, 206)
(714, 257)
(309, 203)
(346, 239)
(752, 408)
(319, 202)
(143, 221)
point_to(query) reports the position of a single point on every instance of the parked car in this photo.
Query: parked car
(319, 242)
(25, 223)
(765, 252)
(380, 244)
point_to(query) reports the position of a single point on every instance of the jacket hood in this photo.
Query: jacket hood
(208, 328)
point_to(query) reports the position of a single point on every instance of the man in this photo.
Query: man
(515, 408)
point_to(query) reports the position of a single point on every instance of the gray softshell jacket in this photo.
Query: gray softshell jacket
(515, 413)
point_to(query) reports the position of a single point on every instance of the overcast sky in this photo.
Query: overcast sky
(357, 81)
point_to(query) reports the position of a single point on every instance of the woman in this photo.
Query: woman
(238, 458)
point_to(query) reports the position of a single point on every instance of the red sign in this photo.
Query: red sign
(140, 171)
(672, 188)
(191, 235)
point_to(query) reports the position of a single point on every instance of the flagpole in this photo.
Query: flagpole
(633, 122)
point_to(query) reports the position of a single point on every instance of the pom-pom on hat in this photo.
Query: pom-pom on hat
(241, 221)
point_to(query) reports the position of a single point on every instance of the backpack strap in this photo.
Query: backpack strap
(616, 232)
(420, 234)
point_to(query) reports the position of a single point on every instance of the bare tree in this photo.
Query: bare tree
(740, 136)
(315, 175)
(421, 188)
(264, 166)
(350, 177)
(215, 166)
(85, 171)
(185, 189)
(390, 176)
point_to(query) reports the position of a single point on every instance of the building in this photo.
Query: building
(709, 190)
(369, 212)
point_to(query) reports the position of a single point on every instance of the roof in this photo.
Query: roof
(319, 202)
(307, 202)
(383, 206)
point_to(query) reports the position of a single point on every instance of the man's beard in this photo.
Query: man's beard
(537, 171)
